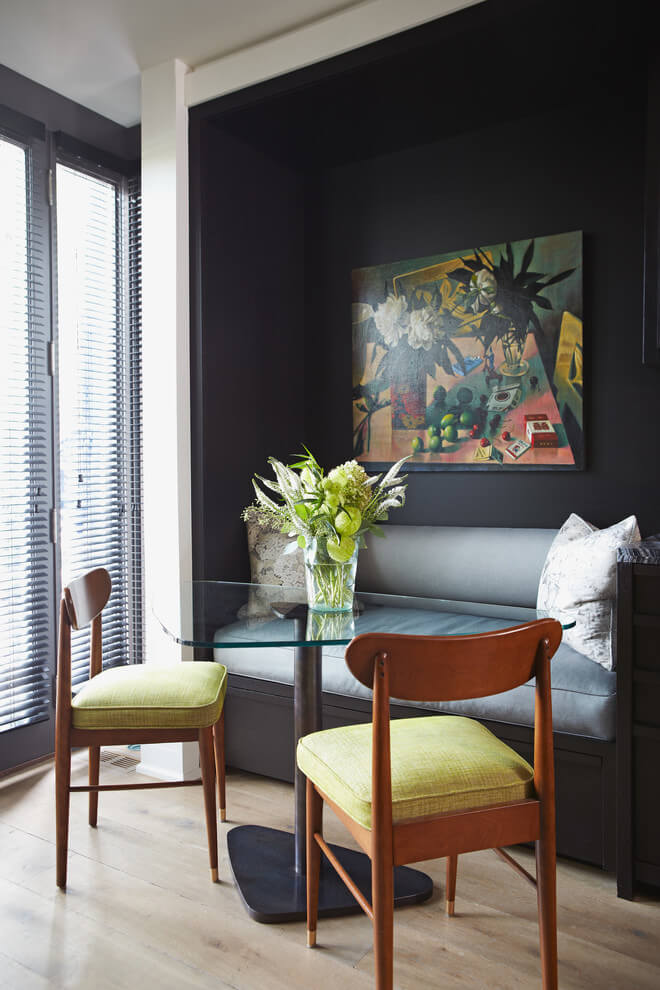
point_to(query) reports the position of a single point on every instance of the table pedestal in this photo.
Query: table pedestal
(268, 864)
(263, 864)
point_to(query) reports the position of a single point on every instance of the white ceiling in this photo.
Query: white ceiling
(94, 50)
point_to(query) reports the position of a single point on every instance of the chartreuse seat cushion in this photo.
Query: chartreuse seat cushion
(440, 763)
(141, 696)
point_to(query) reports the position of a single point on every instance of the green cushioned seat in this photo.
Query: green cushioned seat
(183, 696)
(439, 764)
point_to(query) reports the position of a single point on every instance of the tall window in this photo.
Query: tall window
(69, 421)
(95, 398)
(25, 489)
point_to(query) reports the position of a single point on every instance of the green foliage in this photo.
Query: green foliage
(337, 509)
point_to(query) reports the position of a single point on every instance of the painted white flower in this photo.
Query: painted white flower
(485, 284)
(421, 330)
(390, 319)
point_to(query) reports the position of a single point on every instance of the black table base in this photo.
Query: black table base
(263, 863)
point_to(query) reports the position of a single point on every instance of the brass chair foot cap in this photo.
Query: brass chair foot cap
(450, 908)
(223, 815)
(311, 940)
(214, 876)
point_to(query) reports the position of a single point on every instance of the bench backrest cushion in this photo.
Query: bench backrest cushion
(463, 563)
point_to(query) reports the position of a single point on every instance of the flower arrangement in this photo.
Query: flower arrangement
(504, 300)
(328, 516)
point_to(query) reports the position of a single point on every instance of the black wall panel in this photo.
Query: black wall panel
(293, 187)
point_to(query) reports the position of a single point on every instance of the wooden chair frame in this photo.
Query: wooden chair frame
(426, 668)
(82, 604)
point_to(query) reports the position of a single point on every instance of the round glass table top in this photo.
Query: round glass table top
(224, 615)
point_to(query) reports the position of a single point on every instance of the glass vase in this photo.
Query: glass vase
(330, 586)
(513, 346)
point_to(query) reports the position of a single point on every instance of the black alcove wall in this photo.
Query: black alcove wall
(289, 193)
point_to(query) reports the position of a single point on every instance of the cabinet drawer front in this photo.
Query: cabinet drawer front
(646, 592)
(646, 698)
(646, 644)
(647, 800)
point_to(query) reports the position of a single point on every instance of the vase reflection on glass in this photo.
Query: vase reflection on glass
(329, 625)
(330, 585)
(513, 346)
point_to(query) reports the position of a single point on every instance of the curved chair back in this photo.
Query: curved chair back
(87, 596)
(454, 668)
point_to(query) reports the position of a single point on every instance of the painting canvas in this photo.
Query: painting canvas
(472, 359)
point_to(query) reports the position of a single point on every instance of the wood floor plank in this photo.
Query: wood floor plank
(140, 910)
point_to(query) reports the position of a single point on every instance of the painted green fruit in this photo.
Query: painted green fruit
(464, 395)
(440, 394)
(447, 420)
(435, 443)
(417, 445)
(450, 433)
(433, 430)
(466, 419)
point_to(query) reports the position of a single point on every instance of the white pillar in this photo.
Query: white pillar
(166, 380)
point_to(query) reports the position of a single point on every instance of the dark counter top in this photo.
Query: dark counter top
(646, 552)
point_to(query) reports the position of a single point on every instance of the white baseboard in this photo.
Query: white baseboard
(169, 761)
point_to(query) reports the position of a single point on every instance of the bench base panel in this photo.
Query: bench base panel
(259, 739)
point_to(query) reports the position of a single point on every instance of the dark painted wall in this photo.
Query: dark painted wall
(289, 195)
(57, 113)
(247, 357)
(575, 168)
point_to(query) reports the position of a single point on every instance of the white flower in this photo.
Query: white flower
(421, 331)
(389, 318)
(485, 283)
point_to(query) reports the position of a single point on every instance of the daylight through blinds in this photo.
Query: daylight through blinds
(96, 524)
(24, 453)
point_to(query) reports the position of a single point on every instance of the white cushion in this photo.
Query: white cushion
(579, 575)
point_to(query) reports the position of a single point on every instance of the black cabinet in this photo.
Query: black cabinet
(638, 716)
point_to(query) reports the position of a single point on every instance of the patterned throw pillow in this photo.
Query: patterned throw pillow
(268, 562)
(579, 575)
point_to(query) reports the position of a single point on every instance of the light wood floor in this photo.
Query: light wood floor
(141, 911)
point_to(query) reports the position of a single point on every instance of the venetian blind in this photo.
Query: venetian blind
(25, 550)
(96, 398)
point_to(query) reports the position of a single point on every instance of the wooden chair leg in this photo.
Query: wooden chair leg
(314, 824)
(207, 765)
(546, 879)
(62, 795)
(382, 901)
(94, 767)
(219, 746)
(450, 893)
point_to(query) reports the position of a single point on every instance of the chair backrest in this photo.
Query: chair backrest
(87, 596)
(83, 601)
(453, 668)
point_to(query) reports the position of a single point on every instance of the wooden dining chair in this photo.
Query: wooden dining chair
(131, 704)
(423, 788)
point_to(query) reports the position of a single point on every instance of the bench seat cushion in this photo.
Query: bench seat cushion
(438, 765)
(583, 692)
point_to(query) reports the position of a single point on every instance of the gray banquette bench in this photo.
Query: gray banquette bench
(483, 571)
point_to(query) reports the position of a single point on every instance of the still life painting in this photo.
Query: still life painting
(472, 359)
